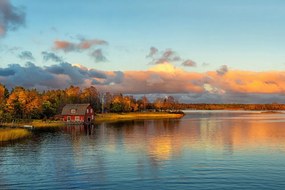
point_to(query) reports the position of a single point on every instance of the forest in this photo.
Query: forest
(23, 103)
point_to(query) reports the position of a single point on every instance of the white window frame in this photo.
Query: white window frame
(73, 111)
(87, 111)
(91, 110)
(68, 118)
(77, 118)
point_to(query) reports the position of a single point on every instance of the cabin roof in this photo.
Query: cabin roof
(80, 109)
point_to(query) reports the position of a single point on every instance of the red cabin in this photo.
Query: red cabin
(77, 113)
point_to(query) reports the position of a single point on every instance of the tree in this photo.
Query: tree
(14, 106)
(169, 103)
(158, 104)
(48, 109)
(4, 93)
(107, 101)
(91, 95)
(24, 103)
(57, 98)
(73, 94)
(117, 104)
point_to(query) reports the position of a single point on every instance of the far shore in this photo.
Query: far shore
(99, 118)
(272, 112)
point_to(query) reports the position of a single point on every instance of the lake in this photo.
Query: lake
(203, 150)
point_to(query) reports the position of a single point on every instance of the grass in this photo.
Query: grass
(13, 134)
(100, 118)
(40, 123)
(35, 123)
(141, 115)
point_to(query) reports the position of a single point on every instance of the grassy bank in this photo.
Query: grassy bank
(13, 134)
(100, 118)
(35, 123)
(141, 115)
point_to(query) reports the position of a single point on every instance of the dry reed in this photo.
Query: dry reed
(13, 134)
(141, 115)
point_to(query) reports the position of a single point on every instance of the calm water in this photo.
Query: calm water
(204, 150)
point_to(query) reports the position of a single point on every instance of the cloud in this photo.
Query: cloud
(55, 69)
(65, 46)
(25, 76)
(166, 56)
(56, 76)
(189, 63)
(235, 86)
(51, 56)
(152, 51)
(11, 17)
(222, 70)
(154, 79)
(6, 72)
(97, 74)
(84, 44)
(26, 55)
(250, 82)
(165, 78)
(162, 78)
(98, 55)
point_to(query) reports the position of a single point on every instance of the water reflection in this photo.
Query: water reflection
(166, 139)
(200, 150)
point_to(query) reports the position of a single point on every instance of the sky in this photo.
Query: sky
(196, 50)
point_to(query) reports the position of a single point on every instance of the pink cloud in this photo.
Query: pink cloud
(159, 79)
(80, 46)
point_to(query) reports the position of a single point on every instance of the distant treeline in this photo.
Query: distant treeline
(23, 103)
(273, 106)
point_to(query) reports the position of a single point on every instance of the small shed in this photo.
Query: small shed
(78, 113)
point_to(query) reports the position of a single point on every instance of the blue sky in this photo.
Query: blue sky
(245, 35)
(241, 34)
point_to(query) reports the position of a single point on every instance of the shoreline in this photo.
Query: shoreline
(10, 134)
(111, 117)
(99, 118)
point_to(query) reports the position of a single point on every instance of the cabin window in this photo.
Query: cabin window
(73, 111)
(87, 111)
(68, 118)
(92, 116)
(91, 110)
(77, 118)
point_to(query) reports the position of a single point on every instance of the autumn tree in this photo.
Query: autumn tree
(14, 106)
(133, 104)
(91, 95)
(24, 103)
(32, 103)
(170, 103)
(53, 102)
(143, 103)
(73, 94)
(4, 93)
(117, 104)
(158, 103)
